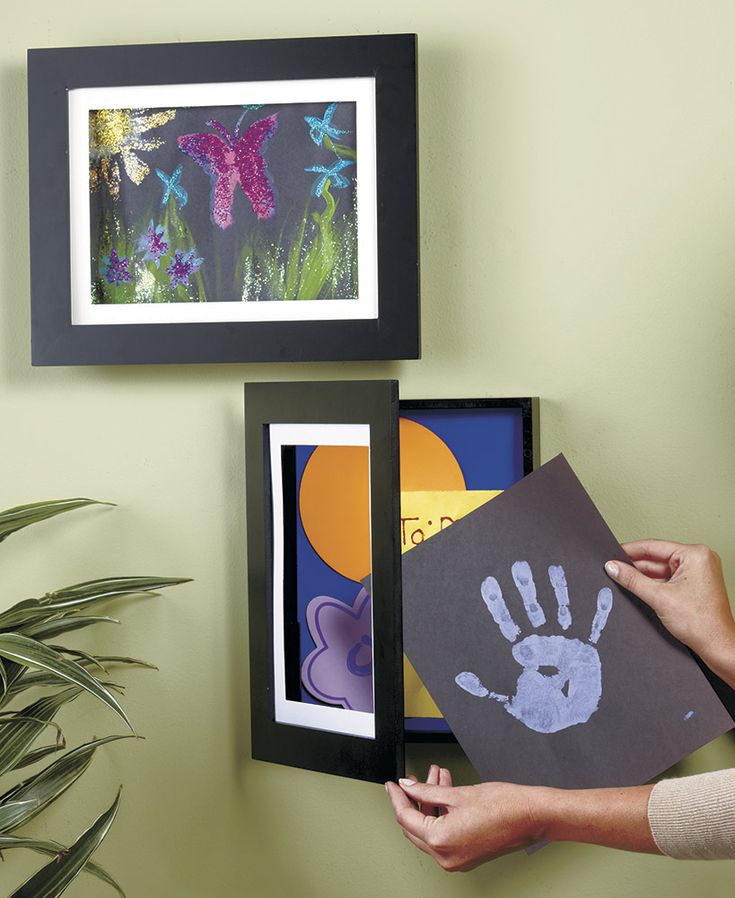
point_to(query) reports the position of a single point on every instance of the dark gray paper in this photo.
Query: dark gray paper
(546, 671)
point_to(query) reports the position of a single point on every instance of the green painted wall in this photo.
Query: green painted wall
(578, 242)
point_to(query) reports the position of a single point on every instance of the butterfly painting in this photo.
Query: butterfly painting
(231, 159)
(275, 220)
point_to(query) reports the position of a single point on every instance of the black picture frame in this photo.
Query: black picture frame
(373, 403)
(393, 334)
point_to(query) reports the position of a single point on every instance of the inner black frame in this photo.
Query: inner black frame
(52, 73)
(355, 402)
(529, 409)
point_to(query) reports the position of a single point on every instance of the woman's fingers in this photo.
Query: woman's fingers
(432, 779)
(409, 817)
(657, 570)
(652, 549)
(445, 779)
(419, 843)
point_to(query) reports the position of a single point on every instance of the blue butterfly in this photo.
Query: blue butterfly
(330, 174)
(319, 127)
(172, 186)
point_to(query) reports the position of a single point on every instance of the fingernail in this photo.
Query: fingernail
(385, 786)
(406, 782)
(612, 568)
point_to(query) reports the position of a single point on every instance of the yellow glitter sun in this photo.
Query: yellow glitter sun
(119, 133)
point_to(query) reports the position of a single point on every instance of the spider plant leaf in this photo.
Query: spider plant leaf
(14, 519)
(50, 881)
(120, 659)
(13, 811)
(50, 629)
(54, 849)
(35, 654)
(38, 754)
(3, 677)
(81, 594)
(71, 598)
(50, 783)
(19, 730)
(90, 660)
(43, 680)
(14, 675)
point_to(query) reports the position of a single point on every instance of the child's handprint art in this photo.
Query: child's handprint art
(561, 681)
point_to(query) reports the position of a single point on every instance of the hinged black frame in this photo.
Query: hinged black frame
(359, 402)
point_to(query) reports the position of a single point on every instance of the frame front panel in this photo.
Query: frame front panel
(369, 403)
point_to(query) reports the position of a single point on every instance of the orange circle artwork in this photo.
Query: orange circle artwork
(334, 498)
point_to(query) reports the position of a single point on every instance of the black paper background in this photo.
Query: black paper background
(649, 681)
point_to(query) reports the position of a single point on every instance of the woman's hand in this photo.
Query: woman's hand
(462, 827)
(685, 587)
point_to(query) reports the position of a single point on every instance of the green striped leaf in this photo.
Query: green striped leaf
(50, 629)
(19, 730)
(14, 674)
(71, 598)
(32, 653)
(54, 849)
(120, 659)
(91, 661)
(36, 680)
(51, 782)
(38, 754)
(43, 680)
(13, 811)
(14, 519)
(50, 881)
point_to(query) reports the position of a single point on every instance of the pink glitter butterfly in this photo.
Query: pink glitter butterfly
(231, 159)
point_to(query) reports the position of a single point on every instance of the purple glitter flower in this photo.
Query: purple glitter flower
(116, 269)
(340, 669)
(153, 244)
(183, 267)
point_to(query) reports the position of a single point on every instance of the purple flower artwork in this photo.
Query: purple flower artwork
(340, 669)
(153, 244)
(182, 267)
(115, 269)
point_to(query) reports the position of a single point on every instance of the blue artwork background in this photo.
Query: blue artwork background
(488, 445)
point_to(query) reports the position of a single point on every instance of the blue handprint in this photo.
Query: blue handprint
(561, 681)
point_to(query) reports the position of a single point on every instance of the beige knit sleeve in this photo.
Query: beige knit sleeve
(693, 818)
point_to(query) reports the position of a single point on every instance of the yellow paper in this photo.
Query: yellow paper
(424, 514)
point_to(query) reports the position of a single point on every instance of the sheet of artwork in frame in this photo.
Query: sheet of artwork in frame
(456, 455)
(326, 673)
(234, 201)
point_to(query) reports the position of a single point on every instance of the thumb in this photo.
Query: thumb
(633, 580)
(426, 794)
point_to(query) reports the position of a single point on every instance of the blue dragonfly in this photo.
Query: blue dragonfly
(331, 174)
(248, 107)
(171, 185)
(319, 127)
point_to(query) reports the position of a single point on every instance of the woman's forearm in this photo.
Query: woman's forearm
(720, 658)
(616, 818)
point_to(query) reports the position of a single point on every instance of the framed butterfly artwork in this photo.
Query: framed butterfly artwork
(238, 201)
